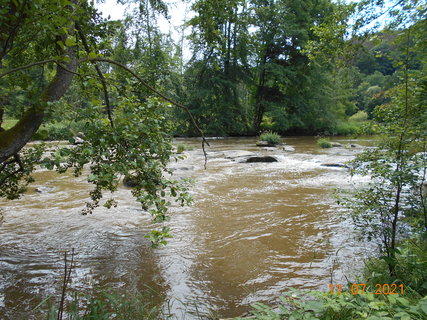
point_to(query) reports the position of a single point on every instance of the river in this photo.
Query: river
(254, 230)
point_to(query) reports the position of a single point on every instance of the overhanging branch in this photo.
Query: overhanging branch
(71, 67)
(161, 95)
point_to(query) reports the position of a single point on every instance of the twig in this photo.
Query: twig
(101, 76)
(27, 66)
(67, 278)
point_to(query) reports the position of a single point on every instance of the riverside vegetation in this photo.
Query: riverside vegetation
(256, 65)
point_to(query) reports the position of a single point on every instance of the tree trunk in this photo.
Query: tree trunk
(14, 139)
(260, 97)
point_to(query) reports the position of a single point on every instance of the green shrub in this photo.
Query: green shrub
(267, 123)
(58, 131)
(270, 137)
(410, 268)
(180, 148)
(326, 306)
(324, 143)
(359, 116)
(344, 128)
(107, 305)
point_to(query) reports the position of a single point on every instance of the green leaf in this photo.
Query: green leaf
(423, 305)
(70, 41)
(403, 301)
(92, 55)
(92, 177)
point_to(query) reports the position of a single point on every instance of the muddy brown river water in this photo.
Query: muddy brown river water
(255, 230)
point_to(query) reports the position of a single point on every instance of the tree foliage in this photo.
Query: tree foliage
(393, 207)
(126, 132)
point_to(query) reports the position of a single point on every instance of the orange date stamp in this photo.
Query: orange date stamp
(360, 288)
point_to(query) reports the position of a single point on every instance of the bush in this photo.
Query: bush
(359, 116)
(58, 131)
(410, 268)
(108, 305)
(270, 137)
(343, 128)
(323, 305)
(180, 148)
(324, 143)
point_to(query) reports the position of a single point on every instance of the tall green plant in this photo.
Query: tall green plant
(393, 206)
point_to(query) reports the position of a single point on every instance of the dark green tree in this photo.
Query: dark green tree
(216, 77)
(291, 91)
(393, 207)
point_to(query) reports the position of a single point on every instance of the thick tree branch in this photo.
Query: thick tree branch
(38, 63)
(14, 139)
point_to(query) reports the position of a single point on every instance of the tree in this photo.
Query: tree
(124, 134)
(217, 74)
(290, 90)
(393, 207)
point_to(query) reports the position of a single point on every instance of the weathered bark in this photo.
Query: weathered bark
(14, 139)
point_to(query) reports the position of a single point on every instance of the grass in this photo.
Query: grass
(9, 123)
(50, 131)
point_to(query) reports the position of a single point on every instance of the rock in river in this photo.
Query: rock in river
(265, 144)
(288, 148)
(45, 189)
(260, 159)
(336, 144)
(335, 165)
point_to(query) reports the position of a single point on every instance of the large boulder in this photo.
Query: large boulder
(260, 159)
(78, 140)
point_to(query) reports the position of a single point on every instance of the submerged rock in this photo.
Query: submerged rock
(336, 144)
(45, 189)
(261, 143)
(260, 159)
(335, 165)
(233, 154)
(289, 149)
(189, 168)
